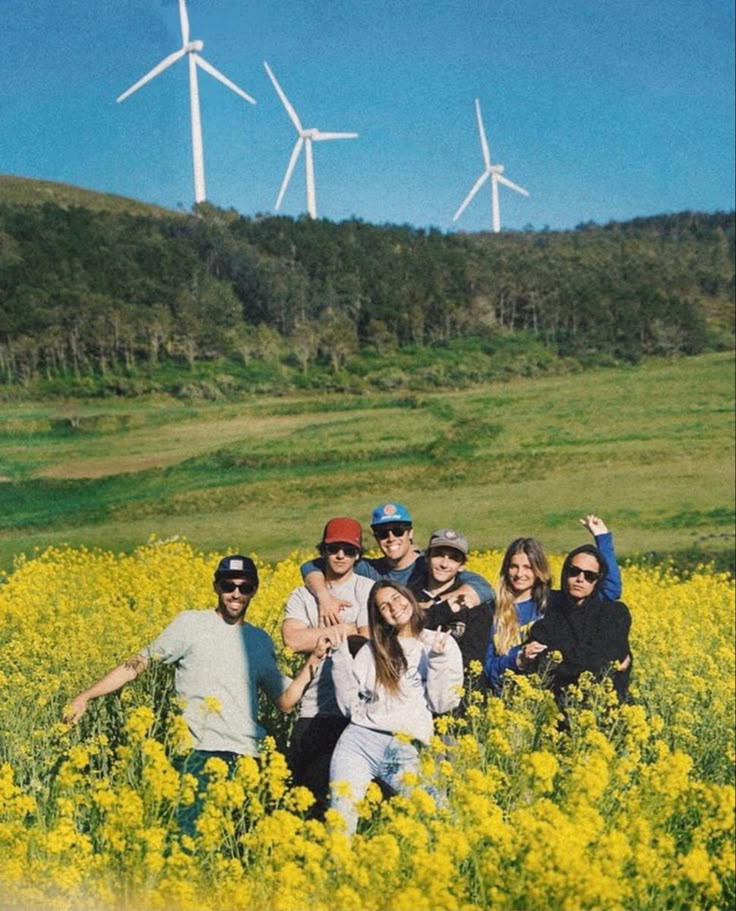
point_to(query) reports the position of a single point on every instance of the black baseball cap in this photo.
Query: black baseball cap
(236, 566)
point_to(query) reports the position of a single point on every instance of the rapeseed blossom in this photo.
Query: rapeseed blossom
(623, 807)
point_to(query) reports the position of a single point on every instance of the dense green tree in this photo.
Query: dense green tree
(90, 292)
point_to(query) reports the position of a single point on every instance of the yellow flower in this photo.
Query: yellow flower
(544, 767)
(628, 806)
(300, 799)
(247, 772)
(475, 668)
(211, 706)
(139, 722)
(695, 865)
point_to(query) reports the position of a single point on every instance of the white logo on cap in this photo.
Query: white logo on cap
(236, 564)
(450, 534)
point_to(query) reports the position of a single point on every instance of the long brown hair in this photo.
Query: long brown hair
(387, 651)
(505, 619)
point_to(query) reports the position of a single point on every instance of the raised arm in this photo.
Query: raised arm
(113, 681)
(345, 677)
(444, 673)
(611, 586)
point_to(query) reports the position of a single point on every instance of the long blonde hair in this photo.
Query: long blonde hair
(505, 618)
(387, 651)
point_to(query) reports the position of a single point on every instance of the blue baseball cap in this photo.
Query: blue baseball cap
(390, 512)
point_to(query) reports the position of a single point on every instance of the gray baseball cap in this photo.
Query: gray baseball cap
(448, 537)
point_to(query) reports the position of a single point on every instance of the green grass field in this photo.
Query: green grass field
(649, 448)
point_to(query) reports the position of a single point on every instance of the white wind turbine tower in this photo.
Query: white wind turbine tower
(495, 172)
(190, 49)
(305, 138)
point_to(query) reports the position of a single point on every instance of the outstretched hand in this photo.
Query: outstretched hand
(440, 641)
(74, 710)
(594, 524)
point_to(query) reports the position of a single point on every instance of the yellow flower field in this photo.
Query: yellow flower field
(631, 808)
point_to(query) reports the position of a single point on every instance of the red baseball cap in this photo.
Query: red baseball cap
(343, 531)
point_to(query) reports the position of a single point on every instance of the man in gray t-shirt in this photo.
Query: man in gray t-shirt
(221, 662)
(320, 721)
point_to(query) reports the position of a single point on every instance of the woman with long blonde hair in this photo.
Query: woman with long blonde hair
(389, 690)
(523, 592)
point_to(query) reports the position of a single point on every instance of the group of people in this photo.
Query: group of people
(388, 644)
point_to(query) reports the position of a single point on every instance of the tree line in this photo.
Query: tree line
(90, 292)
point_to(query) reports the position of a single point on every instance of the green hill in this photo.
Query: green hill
(102, 295)
(26, 191)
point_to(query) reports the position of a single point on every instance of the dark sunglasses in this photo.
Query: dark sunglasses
(588, 574)
(245, 588)
(383, 531)
(348, 549)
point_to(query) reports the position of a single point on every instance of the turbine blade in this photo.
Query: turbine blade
(208, 68)
(476, 186)
(482, 134)
(184, 21)
(289, 170)
(284, 100)
(512, 186)
(166, 62)
(317, 136)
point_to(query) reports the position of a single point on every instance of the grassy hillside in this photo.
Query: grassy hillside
(26, 191)
(102, 295)
(648, 447)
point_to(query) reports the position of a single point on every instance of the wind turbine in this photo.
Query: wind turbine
(305, 138)
(190, 49)
(495, 172)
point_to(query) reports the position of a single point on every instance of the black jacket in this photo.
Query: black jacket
(469, 626)
(590, 636)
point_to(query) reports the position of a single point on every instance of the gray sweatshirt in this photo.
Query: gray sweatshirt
(431, 683)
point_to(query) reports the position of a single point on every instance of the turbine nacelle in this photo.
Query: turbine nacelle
(193, 46)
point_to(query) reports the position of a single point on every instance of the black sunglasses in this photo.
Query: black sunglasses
(383, 531)
(350, 550)
(245, 588)
(571, 571)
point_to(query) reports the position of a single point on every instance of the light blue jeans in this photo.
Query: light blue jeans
(361, 755)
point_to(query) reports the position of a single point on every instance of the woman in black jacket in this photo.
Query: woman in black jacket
(590, 632)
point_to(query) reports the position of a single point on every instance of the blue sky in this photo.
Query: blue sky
(602, 109)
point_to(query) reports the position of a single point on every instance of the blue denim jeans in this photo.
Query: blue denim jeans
(194, 763)
(361, 755)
